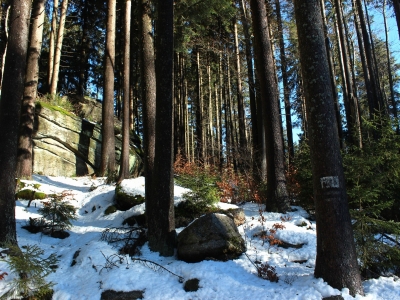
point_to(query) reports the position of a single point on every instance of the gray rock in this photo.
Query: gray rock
(66, 145)
(114, 295)
(237, 214)
(125, 199)
(212, 236)
(337, 297)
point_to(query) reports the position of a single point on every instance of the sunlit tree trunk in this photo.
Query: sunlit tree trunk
(389, 69)
(354, 123)
(336, 260)
(277, 195)
(200, 151)
(240, 105)
(52, 41)
(4, 39)
(377, 103)
(124, 161)
(107, 163)
(149, 97)
(332, 75)
(85, 48)
(57, 51)
(25, 144)
(285, 82)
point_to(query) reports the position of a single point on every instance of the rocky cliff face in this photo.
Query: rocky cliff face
(67, 145)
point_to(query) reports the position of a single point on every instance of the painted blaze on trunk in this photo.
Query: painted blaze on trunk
(336, 259)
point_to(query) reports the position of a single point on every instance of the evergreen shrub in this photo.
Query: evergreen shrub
(57, 213)
(373, 187)
(30, 270)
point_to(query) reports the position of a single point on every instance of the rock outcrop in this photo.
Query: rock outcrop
(212, 236)
(67, 145)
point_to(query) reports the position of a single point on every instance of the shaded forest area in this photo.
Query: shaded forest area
(217, 87)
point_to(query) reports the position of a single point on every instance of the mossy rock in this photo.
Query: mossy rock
(139, 220)
(61, 110)
(189, 210)
(126, 201)
(29, 194)
(109, 210)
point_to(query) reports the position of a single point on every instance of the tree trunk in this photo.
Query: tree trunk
(4, 38)
(336, 259)
(389, 69)
(242, 124)
(396, 7)
(253, 106)
(377, 104)
(277, 195)
(354, 124)
(10, 109)
(210, 117)
(52, 38)
(107, 163)
(160, 209)
(85, 48)
(57, 53)
(199, 112)
(25, 144)
(124, 164)
(285, 82)
(148, 98)
(332, 75)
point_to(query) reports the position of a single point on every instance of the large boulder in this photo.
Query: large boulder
(212, 236)
(67, 145)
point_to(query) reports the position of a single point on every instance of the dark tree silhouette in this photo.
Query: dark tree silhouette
(10, 109)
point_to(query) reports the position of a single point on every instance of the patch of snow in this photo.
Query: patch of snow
(236, 279)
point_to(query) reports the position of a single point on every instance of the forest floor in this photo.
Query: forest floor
(98, 267)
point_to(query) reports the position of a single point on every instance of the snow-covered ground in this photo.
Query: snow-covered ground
(236, 279)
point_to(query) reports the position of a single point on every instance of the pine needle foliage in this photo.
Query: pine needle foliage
(58, 213)
(202, 182)
(31, 270)
(373, 186)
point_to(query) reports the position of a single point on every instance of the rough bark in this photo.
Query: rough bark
(107, 163)
(332, 75)
(336, 260)
(377, 103)
(149, 98)
(160, 209)
(240, 104)
(199, 111)
(389, 69)
(285, 82)
(57, 51)
(52, 41)
(277, 195)
(353, 119)
(124, 165)
(10, 109)
(25, 145)
(85, 47)
(253, 106)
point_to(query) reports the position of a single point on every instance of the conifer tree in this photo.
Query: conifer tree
(336, 260)
(10, 109)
